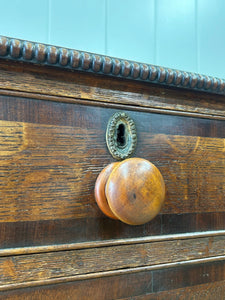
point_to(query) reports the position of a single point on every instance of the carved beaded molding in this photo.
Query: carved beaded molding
(20, 50)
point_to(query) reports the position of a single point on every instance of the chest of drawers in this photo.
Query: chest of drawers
(55, 243)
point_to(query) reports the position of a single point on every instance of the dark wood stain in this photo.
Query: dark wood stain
(98, 88)
(52, 145)
(61, 231)
(48, 164)
(107, 259)
(207, 291)
(199, 280)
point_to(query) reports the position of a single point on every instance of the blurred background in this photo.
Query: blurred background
(182, 34)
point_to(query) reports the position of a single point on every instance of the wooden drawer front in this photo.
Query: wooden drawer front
(51, 154)
(54, 241)
(201, 281)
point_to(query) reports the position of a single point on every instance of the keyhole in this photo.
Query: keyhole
(121, 138)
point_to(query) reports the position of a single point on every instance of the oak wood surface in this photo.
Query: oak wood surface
(48, 171)
(52, 146)
(92, 230)
(51, 154)
(22, 270)
(73, 86)
(198, 280)
(207, 291)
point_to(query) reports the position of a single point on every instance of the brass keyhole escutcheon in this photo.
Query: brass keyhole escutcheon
(121, 136)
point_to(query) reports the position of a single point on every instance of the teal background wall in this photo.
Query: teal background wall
(182, 34)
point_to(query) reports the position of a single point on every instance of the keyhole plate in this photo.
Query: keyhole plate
(121, 136)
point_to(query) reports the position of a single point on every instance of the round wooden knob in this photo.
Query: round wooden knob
(132, 191)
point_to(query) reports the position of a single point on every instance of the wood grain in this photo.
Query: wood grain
(67, 114)
(113, 242)
(44, 138)
(22, 269)
(114, 287)
(77, 85)
(63, 231)
(193, 171)
(179, 223)
(95, 230)
(47, 168)
(208, 291)
(197, 280)
(54, 240)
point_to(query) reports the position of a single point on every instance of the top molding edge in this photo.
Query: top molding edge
(38, 53)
